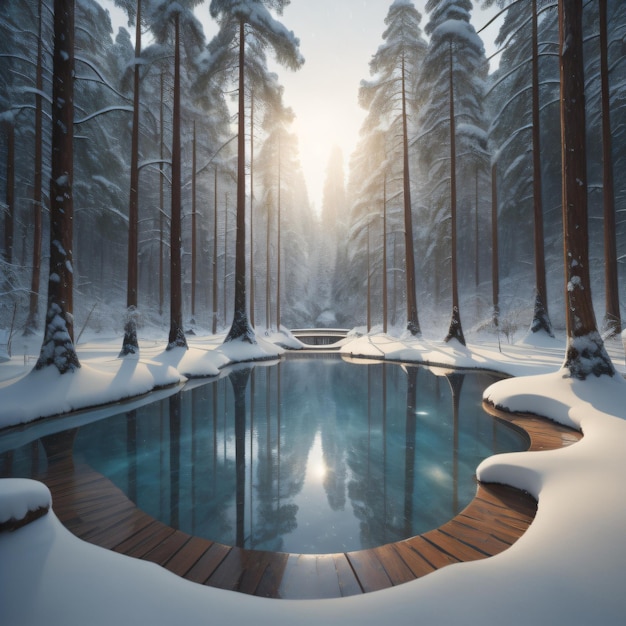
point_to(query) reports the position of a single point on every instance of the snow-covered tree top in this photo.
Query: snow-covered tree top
(443, 10)
(256, 13)
(460, 31)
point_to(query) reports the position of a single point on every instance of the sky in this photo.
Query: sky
(337, 40)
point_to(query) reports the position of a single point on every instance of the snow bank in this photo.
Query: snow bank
(240, 351)
(46, 392)
(103, 378)
(514, 360)
(20, 499)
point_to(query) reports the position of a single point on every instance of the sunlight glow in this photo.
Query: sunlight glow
(319, 471)
(316, 468)
(320, 124)
(437, 474)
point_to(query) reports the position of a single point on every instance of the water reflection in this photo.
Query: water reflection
(304, 456)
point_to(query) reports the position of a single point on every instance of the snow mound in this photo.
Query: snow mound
(96, 383)
(241, 351)
(20, 497)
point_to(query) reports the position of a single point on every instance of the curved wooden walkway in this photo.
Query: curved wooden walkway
(95, 510)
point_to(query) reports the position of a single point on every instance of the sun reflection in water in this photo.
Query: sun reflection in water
(316, 468)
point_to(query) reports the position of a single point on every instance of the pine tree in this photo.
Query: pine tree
(612, 317)
(164, 13)
(453, 80)
(395, 68)
(233, 17)
(130, 344)
(33, 308)
(58, 343)
(585, 352)
(520, 34)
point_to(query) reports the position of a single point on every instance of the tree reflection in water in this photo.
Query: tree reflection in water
(314, 455)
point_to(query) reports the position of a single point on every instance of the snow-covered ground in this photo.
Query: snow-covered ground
(568, 568)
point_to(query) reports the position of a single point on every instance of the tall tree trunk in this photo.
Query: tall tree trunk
(455, 331)
(193, 225)
(58, 343)
(476, 234)
(385, 296)
(541, 319)
(9, 216)
(161, 194)
(612, 319)
(278, 242)
(252, 208)
(214, 281)
(411, 298)
(240, 328)
(394, 308)
(369, 281)
(268, 271)
(585, 353)
(177, 335)
(130, 345)
(33, 303)
(495, 258)
(224, 289)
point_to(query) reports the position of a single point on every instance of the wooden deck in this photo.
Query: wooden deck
(95, 510)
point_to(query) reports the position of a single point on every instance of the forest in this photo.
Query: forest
(188, 201)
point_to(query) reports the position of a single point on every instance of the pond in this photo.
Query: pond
(313, 455)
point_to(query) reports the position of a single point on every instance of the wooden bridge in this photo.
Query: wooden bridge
(330, 338)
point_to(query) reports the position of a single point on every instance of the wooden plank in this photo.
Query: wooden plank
(475, 537)
(431, 553)
(269, 585)
(248, 571)
(508, 499)
(348, 582)
(109, 513)
(309, 576)
(144, 531)
(149, 538)
(503, 534)
(228, 573)
(207, 563)
(369, 570)
(115, 529)
(189, 554)
(418, 565)
(256, 562)
(397, 570)
(453, 546)
(109, 537)
(167, 548)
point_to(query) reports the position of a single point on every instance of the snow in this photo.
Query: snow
(568, 568)
(103, 378)
(459, 30)
(19, 496)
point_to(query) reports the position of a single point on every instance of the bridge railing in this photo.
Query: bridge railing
(320, 336)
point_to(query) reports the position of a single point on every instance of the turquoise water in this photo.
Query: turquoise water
(308, 456)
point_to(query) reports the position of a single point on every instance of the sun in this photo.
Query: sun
(319, 129)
